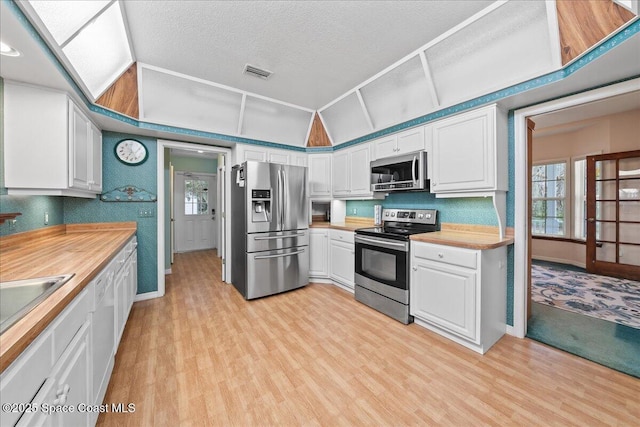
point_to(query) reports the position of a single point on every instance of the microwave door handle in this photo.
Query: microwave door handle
(413, 169)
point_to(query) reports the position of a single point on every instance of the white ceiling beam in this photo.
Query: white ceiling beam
(431, 87)
(364, 109)
(243, 104)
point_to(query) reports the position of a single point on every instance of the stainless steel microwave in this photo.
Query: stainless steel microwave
(400, 173)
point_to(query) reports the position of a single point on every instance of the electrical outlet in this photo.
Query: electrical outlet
(46, 218)
(146, 213)
(355, 211)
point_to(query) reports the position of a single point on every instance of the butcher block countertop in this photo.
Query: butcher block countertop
(83, 249)
(350, 224)
(466, 236)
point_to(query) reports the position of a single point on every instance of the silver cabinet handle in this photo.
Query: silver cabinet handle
(289, 236)
(279, 255)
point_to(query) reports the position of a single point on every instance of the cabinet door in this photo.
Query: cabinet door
(411, 140)
(343, 262)
(464, 152)
(385, 147)
(79, 149)
(245, 153)
(120, 295)
(96, 156)
(319, 253)
(445, 296)
(74, 381)
(320, 175)
(360, 171)
(282, 157)
(341, 174)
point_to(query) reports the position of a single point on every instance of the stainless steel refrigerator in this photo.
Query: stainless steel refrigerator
(269, 224)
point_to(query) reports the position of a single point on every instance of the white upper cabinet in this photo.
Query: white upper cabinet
(351, 172)
(469, 152)
(51, 147)
(244, 152)
(405, 142)
(320, 175)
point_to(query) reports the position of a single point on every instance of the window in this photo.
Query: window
(580, 199)
(196, 197)
(549, 199)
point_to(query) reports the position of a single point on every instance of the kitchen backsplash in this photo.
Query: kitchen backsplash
(476, 210)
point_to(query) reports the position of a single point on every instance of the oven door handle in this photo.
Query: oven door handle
(383, 243)
(413, 169)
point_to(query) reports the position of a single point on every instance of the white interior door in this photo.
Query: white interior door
(195, 201)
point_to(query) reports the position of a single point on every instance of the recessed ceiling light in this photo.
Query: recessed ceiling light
(7, 50)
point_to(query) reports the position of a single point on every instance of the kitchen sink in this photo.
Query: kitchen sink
(18, 297)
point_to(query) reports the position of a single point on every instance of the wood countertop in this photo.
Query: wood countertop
(83, 249)
(351, 224)
(466, 236)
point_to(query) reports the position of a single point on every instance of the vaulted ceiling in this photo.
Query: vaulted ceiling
(365, 65)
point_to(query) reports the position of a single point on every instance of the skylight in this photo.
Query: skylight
(91, 36)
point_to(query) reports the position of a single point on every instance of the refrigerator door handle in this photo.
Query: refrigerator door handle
(285, 198)
(288, 236)
(279, 196)
(279, 255)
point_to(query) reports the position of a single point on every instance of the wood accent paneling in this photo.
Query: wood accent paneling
(318, 136)
(584, 23)
(52, 251)
(122, 96)
(202, 355)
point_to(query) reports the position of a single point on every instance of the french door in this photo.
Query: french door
(613, 214)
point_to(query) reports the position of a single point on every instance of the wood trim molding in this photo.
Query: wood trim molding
(122, 96)
(582, 24)
(318, 136)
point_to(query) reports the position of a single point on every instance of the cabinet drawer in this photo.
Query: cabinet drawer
(69, 321)
(455, 256)
(342, 236)
(20, 382)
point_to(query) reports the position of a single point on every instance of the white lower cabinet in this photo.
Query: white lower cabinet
(69, 364)
(68, 386)
(459, 293)
(319, 253)
(342, 258)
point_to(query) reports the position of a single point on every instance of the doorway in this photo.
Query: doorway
(194, 211)
(522, 172)
(572, 310)
(166, 192)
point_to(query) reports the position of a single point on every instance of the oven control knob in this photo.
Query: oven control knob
(393, 214)
(386, 214)
(420, 216)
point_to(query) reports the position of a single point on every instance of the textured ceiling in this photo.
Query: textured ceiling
(317, 50)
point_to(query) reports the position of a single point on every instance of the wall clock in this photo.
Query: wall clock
(131, 152)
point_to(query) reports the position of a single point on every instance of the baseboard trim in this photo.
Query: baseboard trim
(146, 296)
(560, 261)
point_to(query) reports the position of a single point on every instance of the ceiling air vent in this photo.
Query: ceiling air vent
(256, 72)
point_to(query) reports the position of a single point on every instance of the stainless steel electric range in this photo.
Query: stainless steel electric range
(382, 260)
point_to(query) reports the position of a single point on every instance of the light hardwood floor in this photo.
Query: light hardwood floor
(314, 356)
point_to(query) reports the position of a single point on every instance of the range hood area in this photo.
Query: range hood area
(506, 43)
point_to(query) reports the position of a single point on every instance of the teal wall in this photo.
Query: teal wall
(32, 208)
(477, 210)
(193, 164)
(116, 174)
